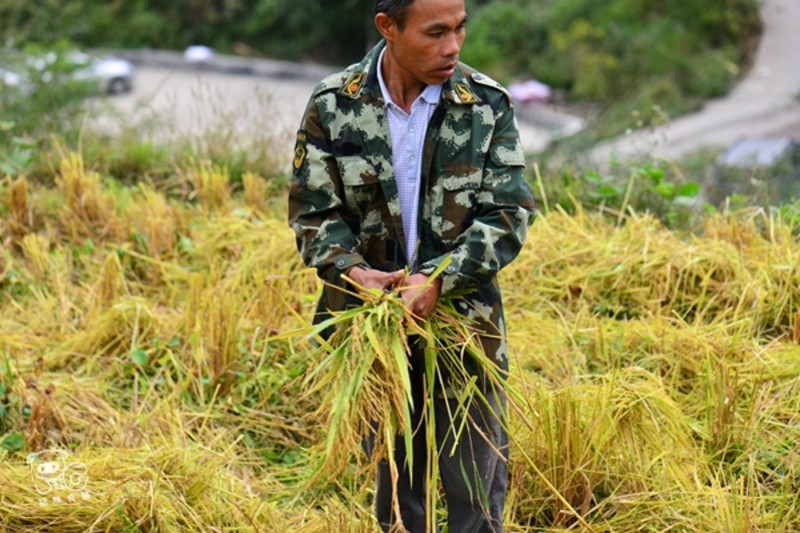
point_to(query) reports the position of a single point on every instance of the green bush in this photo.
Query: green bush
(623, 54)
(47, 101)
(651, 187)
(711, 74)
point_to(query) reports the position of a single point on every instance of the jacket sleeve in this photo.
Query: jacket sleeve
(505, 209)
(325, 237)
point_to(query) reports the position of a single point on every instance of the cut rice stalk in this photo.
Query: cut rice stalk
(362, 373)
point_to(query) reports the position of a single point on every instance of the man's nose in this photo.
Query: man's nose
(452, 45)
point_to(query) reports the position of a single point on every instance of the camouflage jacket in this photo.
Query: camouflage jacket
(475, 204)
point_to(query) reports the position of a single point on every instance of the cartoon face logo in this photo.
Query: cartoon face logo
(51, 471)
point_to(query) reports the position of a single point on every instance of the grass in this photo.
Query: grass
(148, 328)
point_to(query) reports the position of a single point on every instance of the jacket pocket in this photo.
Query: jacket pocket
(360, 183)
(461, 197)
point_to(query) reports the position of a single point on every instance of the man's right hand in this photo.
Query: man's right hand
(375, 279)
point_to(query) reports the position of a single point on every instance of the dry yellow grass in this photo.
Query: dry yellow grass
(147, 338)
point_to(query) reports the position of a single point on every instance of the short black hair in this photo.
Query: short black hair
(397, 10)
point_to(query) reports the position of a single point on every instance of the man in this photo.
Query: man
(404, 161)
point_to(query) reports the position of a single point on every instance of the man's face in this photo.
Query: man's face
(426, 50)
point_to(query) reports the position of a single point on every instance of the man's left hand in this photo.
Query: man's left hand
(419, 294)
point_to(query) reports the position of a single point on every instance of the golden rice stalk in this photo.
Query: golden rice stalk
(20, 221)
(36, 249)
(5, 263)
(155, 222)
(599, 443)
(740, 272)
(158, 487)
(110, 283)
(214, 317)
(108, 338)
(90, 210)
(210, 185)
(362, 375)
(255, 192)
(222, 329)
(258, 262)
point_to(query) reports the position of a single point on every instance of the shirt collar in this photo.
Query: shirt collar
(430, 94)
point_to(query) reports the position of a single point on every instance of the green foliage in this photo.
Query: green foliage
(11, 440)
(333, 31)
(16, 153)
(648, 188)
(129, 156)
(46, 100)
(623, 54)
(499, 35)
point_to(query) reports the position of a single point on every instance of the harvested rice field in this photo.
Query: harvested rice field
(155, 354)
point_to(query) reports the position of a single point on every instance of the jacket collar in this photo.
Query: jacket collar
(363, 81)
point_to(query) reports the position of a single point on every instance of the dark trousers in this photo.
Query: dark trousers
(474, 474)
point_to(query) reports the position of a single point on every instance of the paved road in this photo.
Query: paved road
(765, 103)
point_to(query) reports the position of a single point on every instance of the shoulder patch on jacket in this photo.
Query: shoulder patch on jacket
(334, 81)
(486, 81)
(354, 83)
(465, 94)
(300, 150)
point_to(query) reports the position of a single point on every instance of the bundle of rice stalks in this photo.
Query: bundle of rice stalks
(20, 220)
(362, 376)
(208, 184)
(90, 209)
(156, 222)
(108, 338)
(256, 191)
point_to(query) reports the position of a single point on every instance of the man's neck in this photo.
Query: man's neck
(404, 91)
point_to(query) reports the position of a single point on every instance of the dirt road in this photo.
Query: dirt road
(171, 100)
(258, 112)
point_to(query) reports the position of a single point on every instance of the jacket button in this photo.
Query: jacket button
(340, 263)
(450, 269)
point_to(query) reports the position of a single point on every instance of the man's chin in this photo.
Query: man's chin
(440, 76)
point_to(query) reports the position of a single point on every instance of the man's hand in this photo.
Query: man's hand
(375, 279)
(418, 296)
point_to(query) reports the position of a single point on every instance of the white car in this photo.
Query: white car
(113, 74)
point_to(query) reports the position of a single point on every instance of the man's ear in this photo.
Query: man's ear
(386, 25)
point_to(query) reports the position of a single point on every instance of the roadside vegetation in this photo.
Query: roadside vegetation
(623, 63)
